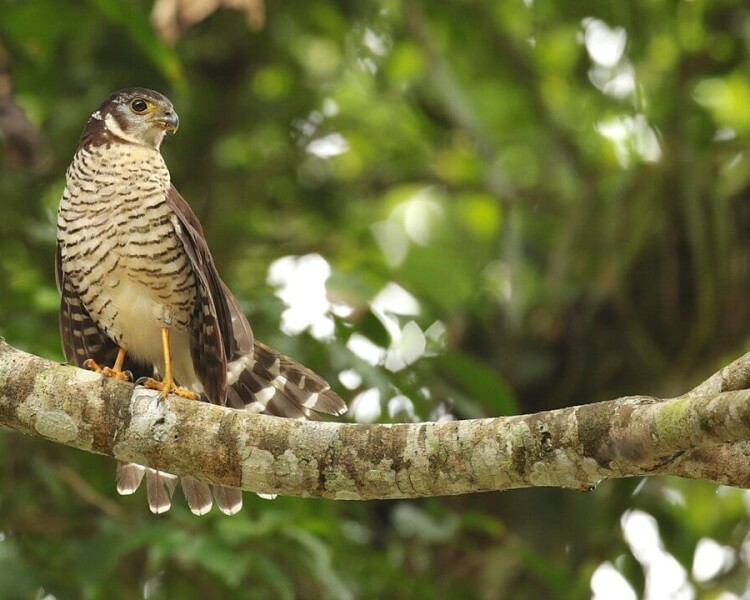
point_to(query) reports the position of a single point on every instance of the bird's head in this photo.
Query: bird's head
(136, 115)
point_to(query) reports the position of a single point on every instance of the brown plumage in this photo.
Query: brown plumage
(137, 280)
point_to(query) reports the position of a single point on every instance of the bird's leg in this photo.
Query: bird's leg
(115, 371)
(167, 385)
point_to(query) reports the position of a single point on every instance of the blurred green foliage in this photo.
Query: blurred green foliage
(562, 187)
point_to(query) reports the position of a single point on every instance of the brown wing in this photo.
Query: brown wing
(266, 381)
(211, 340)
(269, 382)
(242, 334)
(260, 378)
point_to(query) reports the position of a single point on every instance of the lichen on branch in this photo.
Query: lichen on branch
(700, 435)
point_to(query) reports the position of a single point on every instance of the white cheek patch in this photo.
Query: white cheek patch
(114, 127)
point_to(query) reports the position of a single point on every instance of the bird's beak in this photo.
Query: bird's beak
(169, 121)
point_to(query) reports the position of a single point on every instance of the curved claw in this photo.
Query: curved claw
(115, 371)
(167, 388)
(108, 371)
(121, 375)
(90, 364)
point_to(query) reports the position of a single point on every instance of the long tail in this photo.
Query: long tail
(160, 487)
(264, 382)
(270, 383)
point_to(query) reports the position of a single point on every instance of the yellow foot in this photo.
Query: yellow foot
(168, 388)
(107, 371)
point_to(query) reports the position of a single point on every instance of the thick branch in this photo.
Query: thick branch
(700, 435)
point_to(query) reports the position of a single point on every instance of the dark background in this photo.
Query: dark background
(560, 189)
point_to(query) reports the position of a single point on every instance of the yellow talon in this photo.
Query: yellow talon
(167, 388)
(115, 371)
(167, 385)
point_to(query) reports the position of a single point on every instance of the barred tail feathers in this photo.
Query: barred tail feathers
(160, 488)
(268, 382)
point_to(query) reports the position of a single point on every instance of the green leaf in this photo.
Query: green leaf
(481, 383)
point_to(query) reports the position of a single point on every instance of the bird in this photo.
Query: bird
(141, 297)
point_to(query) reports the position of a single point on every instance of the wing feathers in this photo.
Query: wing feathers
(211, 341)
(269, 382)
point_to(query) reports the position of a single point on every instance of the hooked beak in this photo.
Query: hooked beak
(169, 121)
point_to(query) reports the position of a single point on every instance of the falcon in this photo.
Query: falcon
(141, 296)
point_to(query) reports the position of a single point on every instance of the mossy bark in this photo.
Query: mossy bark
(700, 435)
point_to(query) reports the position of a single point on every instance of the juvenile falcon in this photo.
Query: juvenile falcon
(141, 295)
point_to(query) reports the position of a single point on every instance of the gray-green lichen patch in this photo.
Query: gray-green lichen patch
(404, 483)
(347, 495)
(29, 408)
(558, 470)
(150, 416)
(6, 371)
(518, 433)
(671, 422)
(56, 425)
(128, 452)
(255, 470)
(342, 486)
(383, 477)
(296, 472)
(83, 376)
(485, 458)
(589, 470)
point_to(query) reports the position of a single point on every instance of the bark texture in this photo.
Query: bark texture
(701, 435)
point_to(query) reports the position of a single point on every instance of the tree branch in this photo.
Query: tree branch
(700, 435)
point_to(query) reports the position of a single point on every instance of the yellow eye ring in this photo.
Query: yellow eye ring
(139, 105)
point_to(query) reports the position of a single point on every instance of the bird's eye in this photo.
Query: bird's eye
(139, 105)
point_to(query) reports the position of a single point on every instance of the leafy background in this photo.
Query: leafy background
(519, 206)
